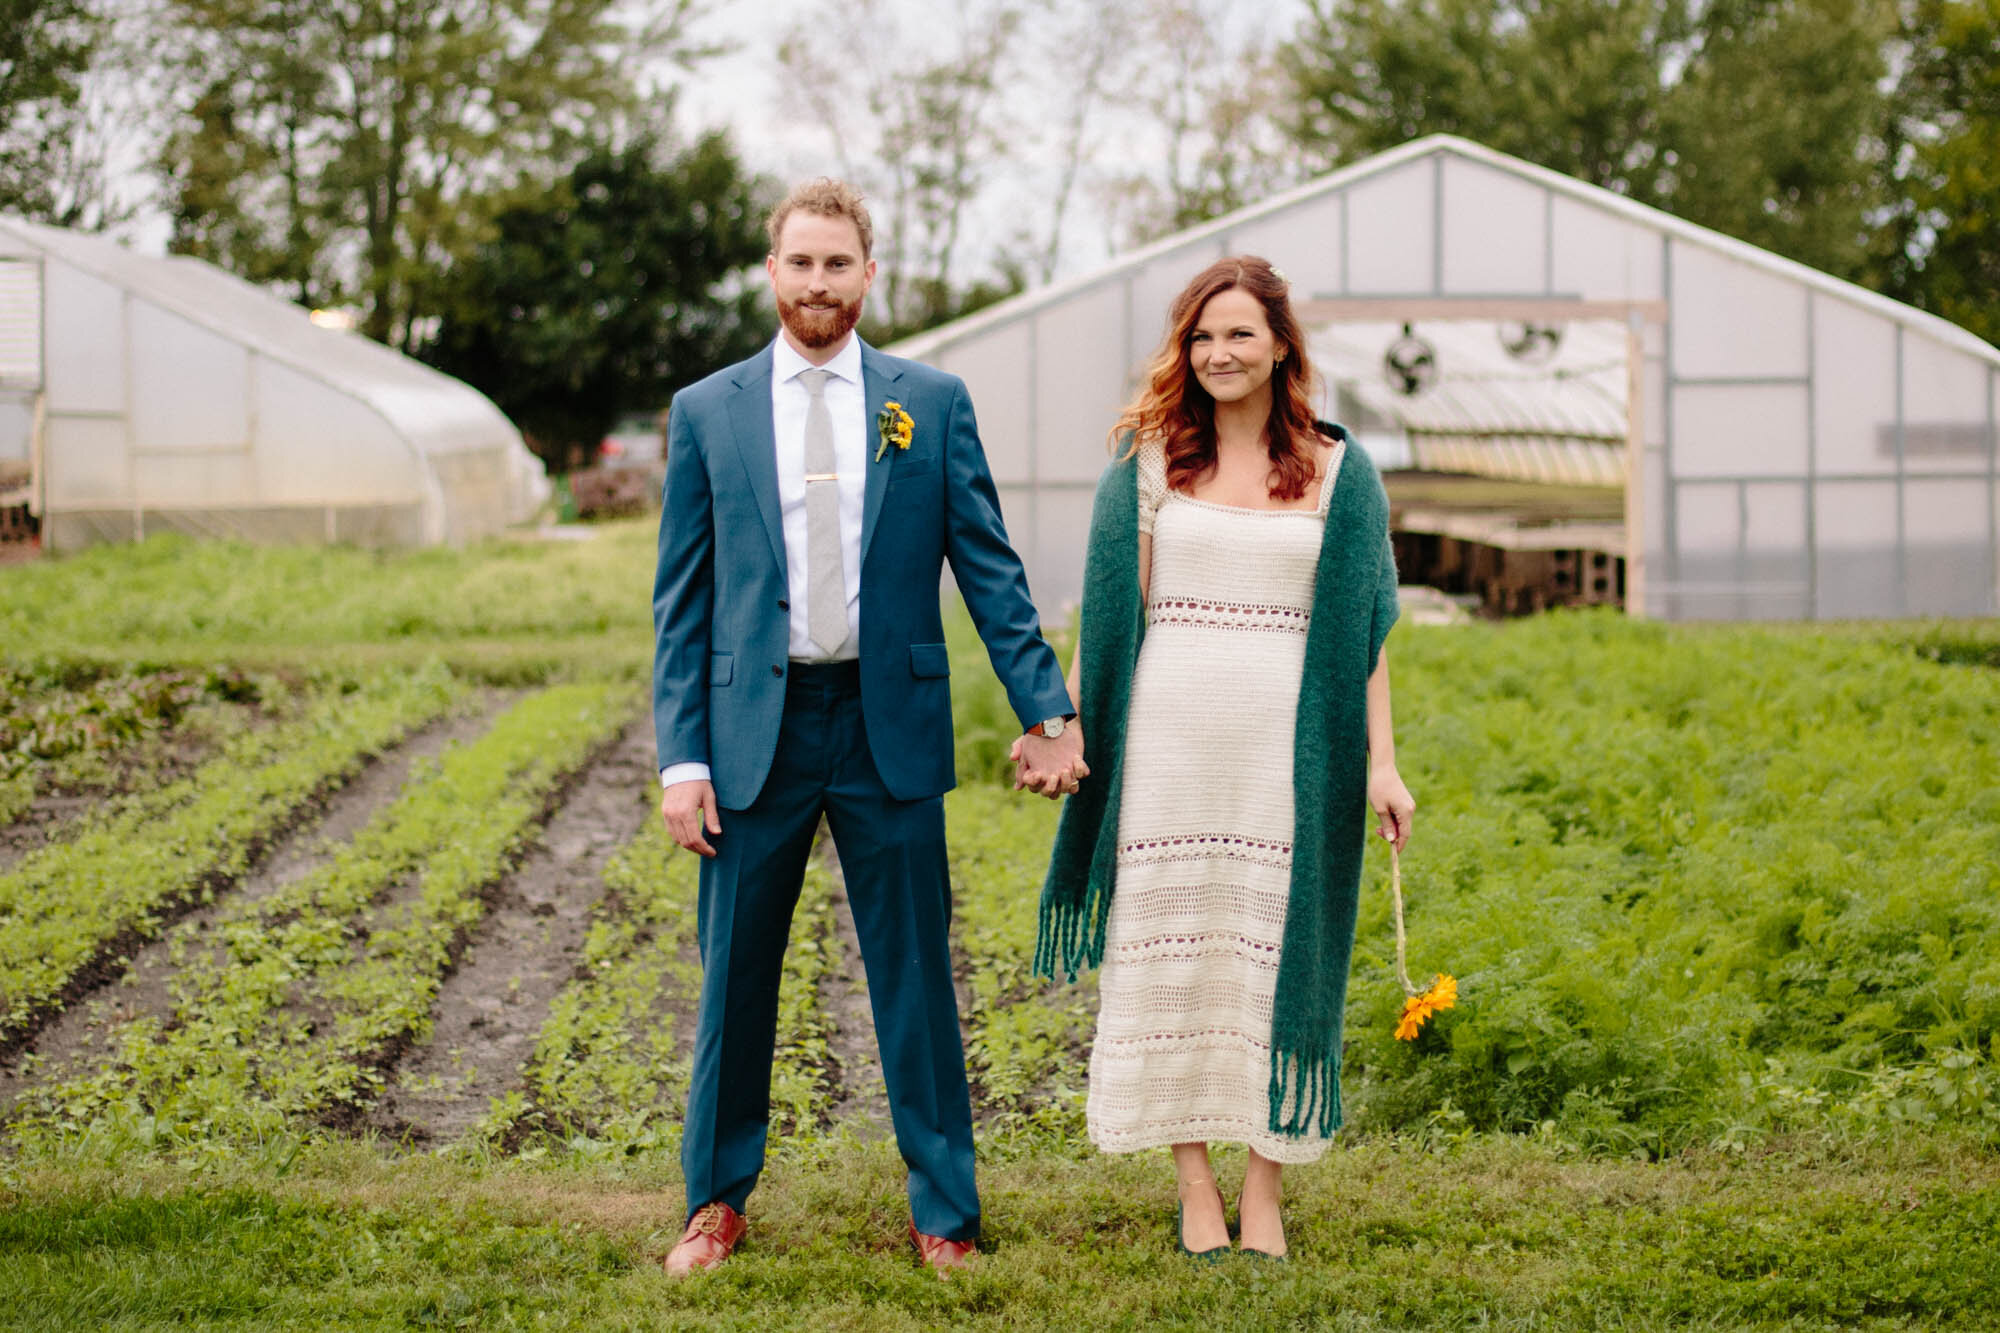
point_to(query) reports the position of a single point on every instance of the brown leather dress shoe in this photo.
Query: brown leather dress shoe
(944, 1256)
(712, 1233)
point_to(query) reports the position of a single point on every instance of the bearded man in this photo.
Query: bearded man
(813, 494)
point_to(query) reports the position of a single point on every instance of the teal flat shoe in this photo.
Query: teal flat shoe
(1213, 1256)
(1265, 1256)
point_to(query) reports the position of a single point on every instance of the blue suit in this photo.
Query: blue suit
(867, 744)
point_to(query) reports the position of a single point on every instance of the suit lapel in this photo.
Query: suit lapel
(756, 443)
(878, 375)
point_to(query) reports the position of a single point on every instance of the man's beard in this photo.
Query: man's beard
(818, 328)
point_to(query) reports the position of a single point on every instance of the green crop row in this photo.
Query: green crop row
(1697, 885)
(1024, 1038)
(801, 1083)
(605, 1074)
(290, 1004)
(62, 908)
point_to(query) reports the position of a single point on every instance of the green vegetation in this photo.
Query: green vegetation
(1025, 1040)
(1698, 885)
(1495, 1234)
(1722, 904)
(64, 908)
(606, 1062)
(509, 611)
(290, 1004)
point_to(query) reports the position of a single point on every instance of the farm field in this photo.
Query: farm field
(346, 981)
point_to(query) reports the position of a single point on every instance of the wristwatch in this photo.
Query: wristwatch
(1051, 727)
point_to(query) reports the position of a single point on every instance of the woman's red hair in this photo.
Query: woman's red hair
(1175, 408)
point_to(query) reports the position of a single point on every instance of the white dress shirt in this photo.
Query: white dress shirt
(847, 404)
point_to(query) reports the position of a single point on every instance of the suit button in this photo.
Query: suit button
(784, 605)
(777, 671)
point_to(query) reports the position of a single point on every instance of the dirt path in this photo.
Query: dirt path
(81, 1037)
(492, 1006)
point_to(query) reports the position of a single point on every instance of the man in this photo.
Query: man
(813, 493)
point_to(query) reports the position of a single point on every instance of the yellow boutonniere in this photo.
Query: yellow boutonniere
(893, 426)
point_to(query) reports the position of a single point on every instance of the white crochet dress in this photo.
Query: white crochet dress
(1183, 1049)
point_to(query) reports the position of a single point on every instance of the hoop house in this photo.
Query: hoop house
(141, 394)
(1769, 442)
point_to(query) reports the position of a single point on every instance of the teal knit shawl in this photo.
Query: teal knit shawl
(1354, 604)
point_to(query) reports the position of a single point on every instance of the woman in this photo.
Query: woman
(1231, 684)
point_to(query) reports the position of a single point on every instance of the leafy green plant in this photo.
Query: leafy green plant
(291, 1004)
(70, 907)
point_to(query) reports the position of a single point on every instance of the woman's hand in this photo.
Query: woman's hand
(1392, 803)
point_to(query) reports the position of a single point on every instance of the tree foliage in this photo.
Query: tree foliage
(1943, 250)
(608, 290)
(342, 149)
(45, 48)
(1755, 117)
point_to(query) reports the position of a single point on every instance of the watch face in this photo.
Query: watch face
(1053, 727)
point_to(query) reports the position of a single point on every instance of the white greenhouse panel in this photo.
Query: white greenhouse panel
(1081, 385)
(1653, 400)
(85, 338)
(17, 435)
(1599, 257)
(1732, 320)
(1153, 289)
(318, 445)
(1777, 513)
(1855, 524)
(1947, 561)
(1708, 519)
(1723, 430)
(190, 387)
(1854, 387)
(193, 480)
(1062, 530)
(20, 324)
(1391, 232)
(1945, 427)
(84, 461)
(1495, 237)
(1305, 243)
(999, 375)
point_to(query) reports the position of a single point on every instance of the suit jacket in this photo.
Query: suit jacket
(720, 617)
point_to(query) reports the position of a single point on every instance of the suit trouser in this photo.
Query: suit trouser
(892, 855)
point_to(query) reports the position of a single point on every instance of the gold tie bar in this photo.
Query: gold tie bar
(822, 476)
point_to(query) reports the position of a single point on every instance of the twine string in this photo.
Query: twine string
(1402, 940)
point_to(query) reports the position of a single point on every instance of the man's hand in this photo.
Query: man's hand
(687, 809)
(1050, 768)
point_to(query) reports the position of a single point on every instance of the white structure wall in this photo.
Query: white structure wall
(1804, 448)
(167, 395)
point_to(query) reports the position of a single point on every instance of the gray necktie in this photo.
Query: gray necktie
(826, 581)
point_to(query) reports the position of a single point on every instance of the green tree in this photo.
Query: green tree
(345, 149)
(1756, 117)
(45, 48)
(1942, 243)
(607, 291)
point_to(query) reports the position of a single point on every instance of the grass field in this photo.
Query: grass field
(346, 981)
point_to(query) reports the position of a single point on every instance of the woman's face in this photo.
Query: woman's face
(1232, 350)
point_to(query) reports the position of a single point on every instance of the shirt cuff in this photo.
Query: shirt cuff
(673, 773)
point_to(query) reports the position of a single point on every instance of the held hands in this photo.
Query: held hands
(689, 809)
(1051, 768)
(1392, 803)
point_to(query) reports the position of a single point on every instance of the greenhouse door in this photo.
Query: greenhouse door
(20, 401)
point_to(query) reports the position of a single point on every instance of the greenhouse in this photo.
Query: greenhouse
(143, 394)
(1574, 397)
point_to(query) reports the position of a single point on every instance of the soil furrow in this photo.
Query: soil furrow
(861, 1098)
(491, 1007)
(82, 1035)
